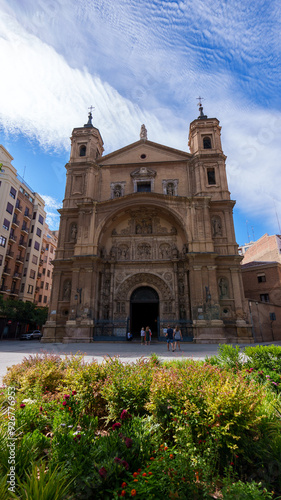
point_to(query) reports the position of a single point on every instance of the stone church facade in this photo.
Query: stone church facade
(147, 238)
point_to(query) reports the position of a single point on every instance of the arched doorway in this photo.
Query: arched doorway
(144, 310)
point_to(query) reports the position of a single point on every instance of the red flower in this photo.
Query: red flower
(116, 425)
(125, 415)
(144, 474)
(133, 493)
(103, 472)
(41, 409)
(73, 393)
(64, 403)
(135, 474)
(123, 493)
(125, 464)
(118, 460)
(124, 485)
(22, 405)
(128, 442)
(66, 396)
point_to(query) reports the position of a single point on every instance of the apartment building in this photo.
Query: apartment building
(22, 218)
(45, 270)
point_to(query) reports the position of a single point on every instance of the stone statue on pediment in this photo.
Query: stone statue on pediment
(143, 132)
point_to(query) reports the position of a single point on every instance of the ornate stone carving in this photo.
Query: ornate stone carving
(123, 252)
(143, 251)
(164, 251)
(145, 279)
(143, 132)
(144, 225)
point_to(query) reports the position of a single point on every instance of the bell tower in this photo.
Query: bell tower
(208, 159)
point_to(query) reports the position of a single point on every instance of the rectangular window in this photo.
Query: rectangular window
(264, 297)
(38, 231)
(144, 187)
(22, 190)
(45, 299)
(30, 289)
(29, 243)
(1, 260)
(42, 284)
(211, 176)
(32, 229)
(3, 241)
(41, 219)
(261, 279)
(22, 287)
(32, 274)
(36, 245)
(40, 298)
(48, 273)
(13, 192)
(52, 249)
(47, 286)
(24, 271)
(6, 224)
(27, 257)
(10, 208)
(34, 215)
(44, 270)
(34, 259)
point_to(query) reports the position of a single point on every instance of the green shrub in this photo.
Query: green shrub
(127, 386)
(245, 491)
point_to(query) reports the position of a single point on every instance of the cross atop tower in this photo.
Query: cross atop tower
(90, 116)
(200, 99)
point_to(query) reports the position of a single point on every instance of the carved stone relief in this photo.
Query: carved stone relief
(164, 251)
(143, 251)
(165, 292)
(223, 288)
(66, 290)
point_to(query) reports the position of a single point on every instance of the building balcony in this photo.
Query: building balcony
(17, 276)
(20, 259)
(15, 222)
(22, 244)
(43, 249)
(27, 216)
(3, 288)
(37, 289)
(9, 254)
(14, 291)
(41, 262)
(39, 275)
(6, 271)
(12, 238)
(24, 229)
(18, 207)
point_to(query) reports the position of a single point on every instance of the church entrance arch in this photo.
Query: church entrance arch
(144, 310)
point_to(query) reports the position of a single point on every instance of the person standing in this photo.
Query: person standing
(177, 337)
(147, 335)
(170, 337)
(142, 334)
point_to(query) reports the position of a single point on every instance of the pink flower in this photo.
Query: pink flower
(116, 425)
(128, 442)
(64, 403)
(73, 393)
(66, 396)
(102, 473)
(41, 409)
(22, 405)
(118, 460)
(125, 464)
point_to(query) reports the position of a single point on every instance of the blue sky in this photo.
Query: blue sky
(145, 62)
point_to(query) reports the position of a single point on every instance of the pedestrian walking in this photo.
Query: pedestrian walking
(148, 335)
(142, 334)
(170, 338)
(177, 337)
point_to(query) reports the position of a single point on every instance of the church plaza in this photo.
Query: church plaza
(14, 351)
